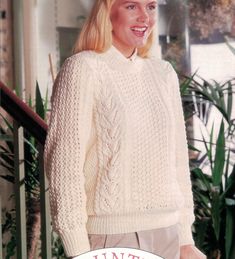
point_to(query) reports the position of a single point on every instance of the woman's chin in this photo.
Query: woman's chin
(140, 44)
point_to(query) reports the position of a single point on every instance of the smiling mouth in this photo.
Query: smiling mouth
(139, 31)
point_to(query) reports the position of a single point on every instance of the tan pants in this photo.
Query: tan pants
(163, 242)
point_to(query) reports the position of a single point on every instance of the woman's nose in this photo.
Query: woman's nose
(143, 16)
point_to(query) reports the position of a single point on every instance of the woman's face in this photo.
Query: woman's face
(132, 22)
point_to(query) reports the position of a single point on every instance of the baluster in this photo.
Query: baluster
(45, 210)
(21, 240)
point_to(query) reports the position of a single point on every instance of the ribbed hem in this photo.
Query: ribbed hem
(130, 223)
(75, 242)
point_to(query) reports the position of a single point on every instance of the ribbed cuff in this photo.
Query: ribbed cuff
(75, 242)
(185, 235)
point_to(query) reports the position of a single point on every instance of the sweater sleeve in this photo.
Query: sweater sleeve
(65, 151)
(182, 163)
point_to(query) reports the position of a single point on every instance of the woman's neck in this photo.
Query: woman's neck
(126, 51)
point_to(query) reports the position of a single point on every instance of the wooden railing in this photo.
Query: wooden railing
(25, 118)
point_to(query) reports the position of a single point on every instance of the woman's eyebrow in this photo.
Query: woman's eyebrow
(134, 2)
(153, 2)
(129, 2)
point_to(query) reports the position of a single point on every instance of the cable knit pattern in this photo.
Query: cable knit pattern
(116, 150)
(108, 121)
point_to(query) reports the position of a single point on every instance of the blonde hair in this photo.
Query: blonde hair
(96, 33)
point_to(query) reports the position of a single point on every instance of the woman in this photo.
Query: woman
(116, 152)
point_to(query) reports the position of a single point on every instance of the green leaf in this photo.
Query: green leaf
(219, 157)
(30, 102)
(201, 230)
(204, 201)
(200, 184)
(211, 93)
(197, 172)
(230, 47)
(39, 103)
(31, 145)
(229, 231)
(229, 100)
(230, 185)
(6, 137)
(226, 171)
(17, 91)
(210, 145)
(221, 96)
(46, 104)
(230, 202)
(208, 150)
(216, 210)
(184, 86)
(191, 147)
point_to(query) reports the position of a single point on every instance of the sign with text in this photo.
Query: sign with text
(119, 253)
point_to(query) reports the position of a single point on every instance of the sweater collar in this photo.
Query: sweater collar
(119, 55)
(117, 61)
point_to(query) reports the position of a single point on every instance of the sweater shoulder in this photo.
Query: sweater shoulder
(77, 70)
(162, 65)
(83, 58)
(165, 70)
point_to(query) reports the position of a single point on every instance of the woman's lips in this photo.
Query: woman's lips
(139, 31)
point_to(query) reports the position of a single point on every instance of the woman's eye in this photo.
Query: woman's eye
(130, 7)
(152, 7)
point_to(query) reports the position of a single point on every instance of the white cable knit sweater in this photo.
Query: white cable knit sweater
(116, 152)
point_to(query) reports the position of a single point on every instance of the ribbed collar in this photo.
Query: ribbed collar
(115, 51)
(116, 60)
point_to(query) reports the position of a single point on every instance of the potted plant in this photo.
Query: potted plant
(213, 168)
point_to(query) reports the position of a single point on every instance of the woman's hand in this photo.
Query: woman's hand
(191, 252)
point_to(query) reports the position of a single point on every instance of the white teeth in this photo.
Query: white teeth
(139, 29)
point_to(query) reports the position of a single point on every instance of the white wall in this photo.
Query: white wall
(50, 15)
(46, 43)
(213, 61)
(70, 10)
